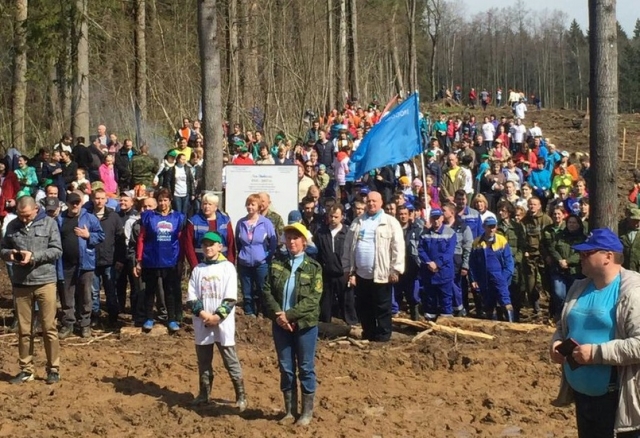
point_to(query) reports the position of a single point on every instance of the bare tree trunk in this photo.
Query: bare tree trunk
(342, 53)
(232, 62)
(354, 70)
(80, 111)
(211, 93)
(603, 107)
(394, 53)
(434, 14)
(19, 84)
(413, 63)
(331, 58)
(141, 69)
(251, 85)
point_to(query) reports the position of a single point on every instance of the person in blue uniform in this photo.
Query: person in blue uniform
(436, 251)
(491, 264)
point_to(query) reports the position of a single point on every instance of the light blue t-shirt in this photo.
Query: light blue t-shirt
(365, 253)
(592, 320)
(289, 295)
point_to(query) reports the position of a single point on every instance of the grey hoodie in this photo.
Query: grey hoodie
(42, 238)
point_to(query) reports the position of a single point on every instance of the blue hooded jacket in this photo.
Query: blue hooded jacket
(86, 247)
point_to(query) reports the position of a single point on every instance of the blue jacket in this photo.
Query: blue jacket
(87, 247)
(551, 160)
(540, 179)
(201, 226)
(495, 259)
(437, 246)
(261, 247)
(472, 218)
(162, 234)
(505, 172)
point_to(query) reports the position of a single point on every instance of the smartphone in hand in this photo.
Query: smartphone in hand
(566, 349)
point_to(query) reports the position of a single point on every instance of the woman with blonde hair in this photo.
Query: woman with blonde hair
(481, 204)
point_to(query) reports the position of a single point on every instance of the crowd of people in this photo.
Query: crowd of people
(486, 227)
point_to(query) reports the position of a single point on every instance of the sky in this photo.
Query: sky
(627, 10)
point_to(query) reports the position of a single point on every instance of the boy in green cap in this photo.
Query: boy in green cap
(212, 295)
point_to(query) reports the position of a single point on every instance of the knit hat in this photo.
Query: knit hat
(417, 183)
(404, 180)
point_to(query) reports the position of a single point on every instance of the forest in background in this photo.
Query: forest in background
(71, 65)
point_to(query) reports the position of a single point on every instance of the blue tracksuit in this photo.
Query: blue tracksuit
(492, 266)
(472, 218)
(438, 246)
(408, 285)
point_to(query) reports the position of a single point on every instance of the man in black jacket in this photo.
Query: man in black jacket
(408, 284)
(109, 252)
(330, 243)
(123, 164)
(325, 150)
(124, 273)
(81, 154)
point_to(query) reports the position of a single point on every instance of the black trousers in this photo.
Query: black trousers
(337, 300)
(169, 279)
(124, 277)
(596, 416)
(373, 305)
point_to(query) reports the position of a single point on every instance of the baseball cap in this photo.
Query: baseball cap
(365, 190)
(600, 239)
(51, 203)
(212, 236)
(73, 198)
(436, 212)
(322, 167)
(173, 153)
(565, 153)
(490, 221)
(299, 228)
(634, 214)
(294, 217)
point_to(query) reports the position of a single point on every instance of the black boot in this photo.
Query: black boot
(241, 399)
(206, 383)
(290, 407)
(307, 410)
(415, 313)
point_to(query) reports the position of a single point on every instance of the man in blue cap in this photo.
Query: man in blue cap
(597, 341)
(436, 250)
(491, 265)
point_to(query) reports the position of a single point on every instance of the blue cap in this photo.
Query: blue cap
(409, 206)
(490, 221)
(435, 212)
(365, 190)
(600, 239)
(294, 217)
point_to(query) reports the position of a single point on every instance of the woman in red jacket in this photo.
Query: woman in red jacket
(9, 188)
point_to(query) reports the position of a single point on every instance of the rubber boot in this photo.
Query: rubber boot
(206, 383)
(241, 399)
(290, 407)
(415, 313)
(307, 410)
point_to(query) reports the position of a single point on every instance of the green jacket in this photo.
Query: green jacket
(143, 169)
(561, 250)
(533, 227)
(278, 223)
(308, 289)
(549, 235)
(631, 251)
(514, 232)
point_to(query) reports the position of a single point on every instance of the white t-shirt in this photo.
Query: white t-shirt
(488, 131)
(180, 189)
(365, 253)
(521, 108)
(517, 133)
(211, 284)
(535, 132)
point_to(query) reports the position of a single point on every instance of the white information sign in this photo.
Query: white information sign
(280, 182)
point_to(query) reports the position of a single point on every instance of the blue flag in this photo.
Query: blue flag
(396, 138)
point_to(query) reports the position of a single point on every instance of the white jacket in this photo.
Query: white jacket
(390, 248)
(623, 351)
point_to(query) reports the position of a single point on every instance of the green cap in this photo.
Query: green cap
(239, 143)
(173, 153)
(485, 156)
(212, 236)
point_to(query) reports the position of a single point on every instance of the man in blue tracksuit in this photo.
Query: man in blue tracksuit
(408, 284)
(469, 215)
(436, 251)
(464, 240)
(492, 266)
(80, 233)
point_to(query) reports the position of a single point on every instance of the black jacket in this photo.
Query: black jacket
(330, 256)
(123, 166)
(169, 180)
(112, 248)
(325, 153)
(198, 179)
(82, 156)
(69, 172)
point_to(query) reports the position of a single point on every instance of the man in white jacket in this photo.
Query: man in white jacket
(597, 341)
(373, 258)
(212, 295)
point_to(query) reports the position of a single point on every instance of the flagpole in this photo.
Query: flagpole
(424, 171)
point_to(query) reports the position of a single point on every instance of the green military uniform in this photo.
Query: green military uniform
(630, 238)
(561, 249)
(308, 287)
(143, 170)
(534, 262)
(514, 233)
(278, 223)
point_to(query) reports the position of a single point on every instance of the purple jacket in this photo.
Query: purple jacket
(258, 248)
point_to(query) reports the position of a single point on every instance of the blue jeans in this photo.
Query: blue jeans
(252, 280)
(181, 204)
(561, 284)
(296, 349)
(105, 276)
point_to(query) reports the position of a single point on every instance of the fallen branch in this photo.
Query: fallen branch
(360, 344)
(420, 325)
(421, 335)
(92, 340)
(477, 324)
(460, 332)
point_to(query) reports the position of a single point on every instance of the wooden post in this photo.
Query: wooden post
(636, 163)
(624, 141)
